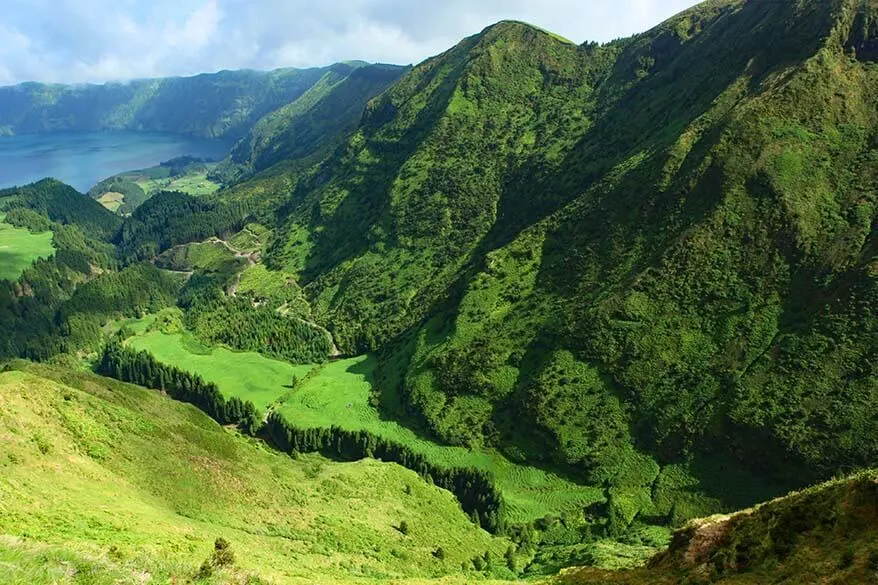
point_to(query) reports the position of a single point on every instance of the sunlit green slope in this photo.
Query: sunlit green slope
(125, 482)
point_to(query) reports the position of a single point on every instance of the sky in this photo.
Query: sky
(78, 41)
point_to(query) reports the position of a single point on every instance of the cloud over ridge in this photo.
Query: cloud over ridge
(75, 41)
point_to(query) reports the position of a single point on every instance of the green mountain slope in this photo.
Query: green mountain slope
(648, 266)
(62, 204)
(224, 104)
(123, 483)
(397, 213)
(826, 534)
(316, 122)
(652, 262)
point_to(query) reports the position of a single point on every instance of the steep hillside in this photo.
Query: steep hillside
(651, 262)
(314, 123)
(224, 104)
(59, 203)
(397, 213)
(827, 535)
(105, 481)
(649, 268)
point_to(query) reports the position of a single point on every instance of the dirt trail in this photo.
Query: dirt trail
(251, 257)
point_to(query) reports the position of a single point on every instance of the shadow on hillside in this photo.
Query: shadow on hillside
(13, 263)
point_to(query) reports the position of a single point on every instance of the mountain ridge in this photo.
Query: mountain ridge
(649, 266)
(627, 223)
(225, 105)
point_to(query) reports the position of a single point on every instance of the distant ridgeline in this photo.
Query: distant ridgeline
(224, 104)
(281, 114)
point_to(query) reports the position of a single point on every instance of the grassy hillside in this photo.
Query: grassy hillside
(648, 266)
(19, 247)
(339, 394)
(117, 479)
(106, 482)
(827, 534)
(247, 375)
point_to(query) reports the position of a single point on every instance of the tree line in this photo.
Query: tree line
(474, 488)
(139, 367)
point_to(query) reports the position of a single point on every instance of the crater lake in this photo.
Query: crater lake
(83, 159)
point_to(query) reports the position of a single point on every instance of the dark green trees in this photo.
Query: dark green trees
(141, 368)
(474, 489)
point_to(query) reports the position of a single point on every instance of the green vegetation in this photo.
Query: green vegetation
(125, 192)
(213, 261)
(245, 375)
(171, 218)
(19, 248)
(313, 125)
(140, 367)
(61, 204)
(825, 534)
(60, 304)
(229, 103)
(235, 322)
(339, 394)
(649, 264)
(621, 285)
(123, 481)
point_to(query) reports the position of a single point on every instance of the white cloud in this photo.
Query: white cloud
(98, 40)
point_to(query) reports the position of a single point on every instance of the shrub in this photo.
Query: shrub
(222, 553)
(847, 558)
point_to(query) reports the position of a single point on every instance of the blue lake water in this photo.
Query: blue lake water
(84, 159)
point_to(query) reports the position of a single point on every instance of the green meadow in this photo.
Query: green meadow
(247, 375)
(19, 248)
(338, 393)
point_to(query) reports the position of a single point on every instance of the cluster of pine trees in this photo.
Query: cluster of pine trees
(62, 204)
(474, 488)
(218, 319)
(171, 218)
(139, 367)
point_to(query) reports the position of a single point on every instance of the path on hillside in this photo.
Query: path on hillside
(253, 259)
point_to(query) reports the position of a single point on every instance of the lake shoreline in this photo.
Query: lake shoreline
(83, 159)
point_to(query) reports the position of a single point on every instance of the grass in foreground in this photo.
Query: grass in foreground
(19, 248)
(104, 482)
